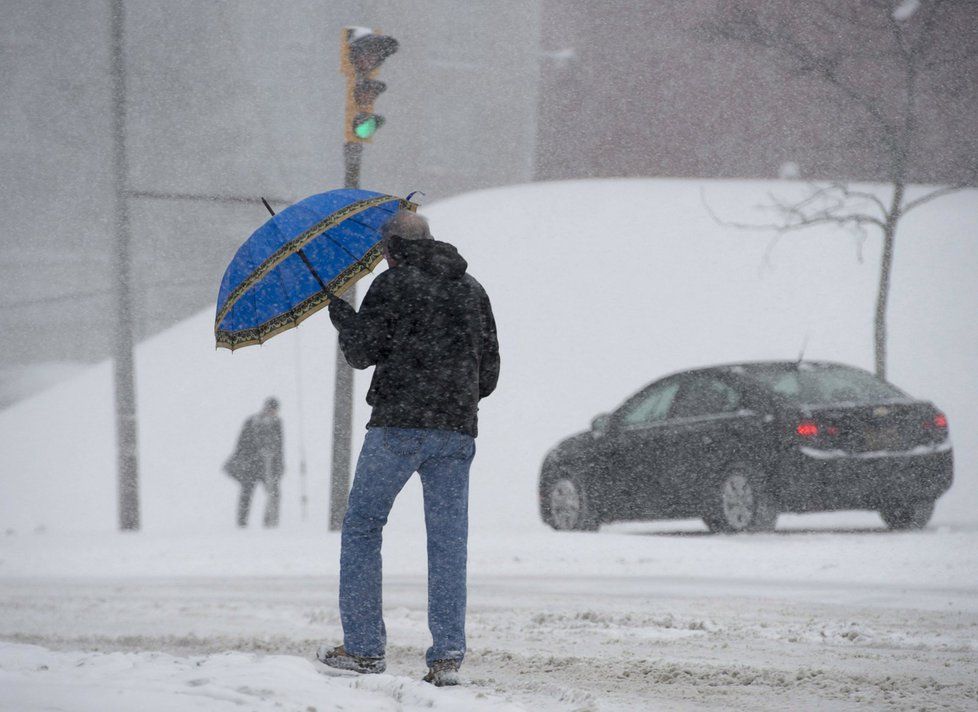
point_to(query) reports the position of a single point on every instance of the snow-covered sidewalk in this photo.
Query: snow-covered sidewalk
(35, 679)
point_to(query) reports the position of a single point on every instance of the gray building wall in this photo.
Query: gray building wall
(640, 90)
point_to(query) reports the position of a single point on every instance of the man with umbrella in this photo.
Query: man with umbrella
(428, 328)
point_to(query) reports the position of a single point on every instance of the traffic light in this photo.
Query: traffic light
(363, 51)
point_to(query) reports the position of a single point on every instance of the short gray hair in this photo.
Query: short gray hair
(406, 225)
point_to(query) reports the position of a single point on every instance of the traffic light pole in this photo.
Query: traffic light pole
(362, 51)
(352, 153)
(339, 487)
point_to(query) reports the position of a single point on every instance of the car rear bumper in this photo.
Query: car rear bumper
(820, 479)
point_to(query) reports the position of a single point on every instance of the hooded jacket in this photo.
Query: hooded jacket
(428, 328)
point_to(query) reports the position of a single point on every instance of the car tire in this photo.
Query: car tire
(907, 515)
(567, 506)
(741, 502)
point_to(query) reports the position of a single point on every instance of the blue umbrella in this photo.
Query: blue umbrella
(296, 262)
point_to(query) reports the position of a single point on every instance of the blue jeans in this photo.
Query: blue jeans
(388, 459)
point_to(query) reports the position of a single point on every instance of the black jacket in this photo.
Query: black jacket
(428, 328)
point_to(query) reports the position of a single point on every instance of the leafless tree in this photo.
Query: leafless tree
(893, 61)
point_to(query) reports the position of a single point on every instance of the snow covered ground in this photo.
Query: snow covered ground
(35, 678)
(599, 287)
(635, 617)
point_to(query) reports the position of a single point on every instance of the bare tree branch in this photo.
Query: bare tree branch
(863, 195)
(800, 215)
(933, 195)
(798, 219)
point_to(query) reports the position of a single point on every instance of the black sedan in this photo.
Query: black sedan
(735, 445)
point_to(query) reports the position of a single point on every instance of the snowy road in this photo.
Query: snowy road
(559, 643)
(568, 635)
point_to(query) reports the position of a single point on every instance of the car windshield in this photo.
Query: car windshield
(822, 384)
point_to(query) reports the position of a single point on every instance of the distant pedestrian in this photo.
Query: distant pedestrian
(258, 457)
(427, 327)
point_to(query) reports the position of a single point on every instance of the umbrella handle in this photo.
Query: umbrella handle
(315, 274)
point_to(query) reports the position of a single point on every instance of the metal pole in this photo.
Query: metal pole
(125, 387)
(339, 487)
(299, 392)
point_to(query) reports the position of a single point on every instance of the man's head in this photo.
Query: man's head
(405, 225)
(271, 406)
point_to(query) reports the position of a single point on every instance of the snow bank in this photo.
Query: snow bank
(34, 679)
(599, 287)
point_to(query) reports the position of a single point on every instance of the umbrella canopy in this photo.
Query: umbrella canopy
(292, 265)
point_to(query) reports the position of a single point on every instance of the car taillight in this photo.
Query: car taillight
(807, 429)
(939, 421)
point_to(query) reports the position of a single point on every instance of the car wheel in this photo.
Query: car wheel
(907, 515)
(568, 507)
(741, 503)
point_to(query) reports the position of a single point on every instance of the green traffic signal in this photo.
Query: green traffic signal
(366, 125)
(366, 129)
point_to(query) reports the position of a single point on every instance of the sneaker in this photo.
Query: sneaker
(341, 660)
(443, 673)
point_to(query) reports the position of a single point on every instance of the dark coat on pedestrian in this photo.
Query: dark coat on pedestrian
(258, 455)
(428, 328)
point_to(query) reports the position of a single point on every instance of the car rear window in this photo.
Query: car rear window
(817, 384)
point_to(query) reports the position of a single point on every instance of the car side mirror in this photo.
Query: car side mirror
(600, 425)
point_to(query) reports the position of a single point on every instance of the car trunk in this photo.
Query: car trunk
(864, 428)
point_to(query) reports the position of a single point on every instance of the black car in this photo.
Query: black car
(736, 445)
